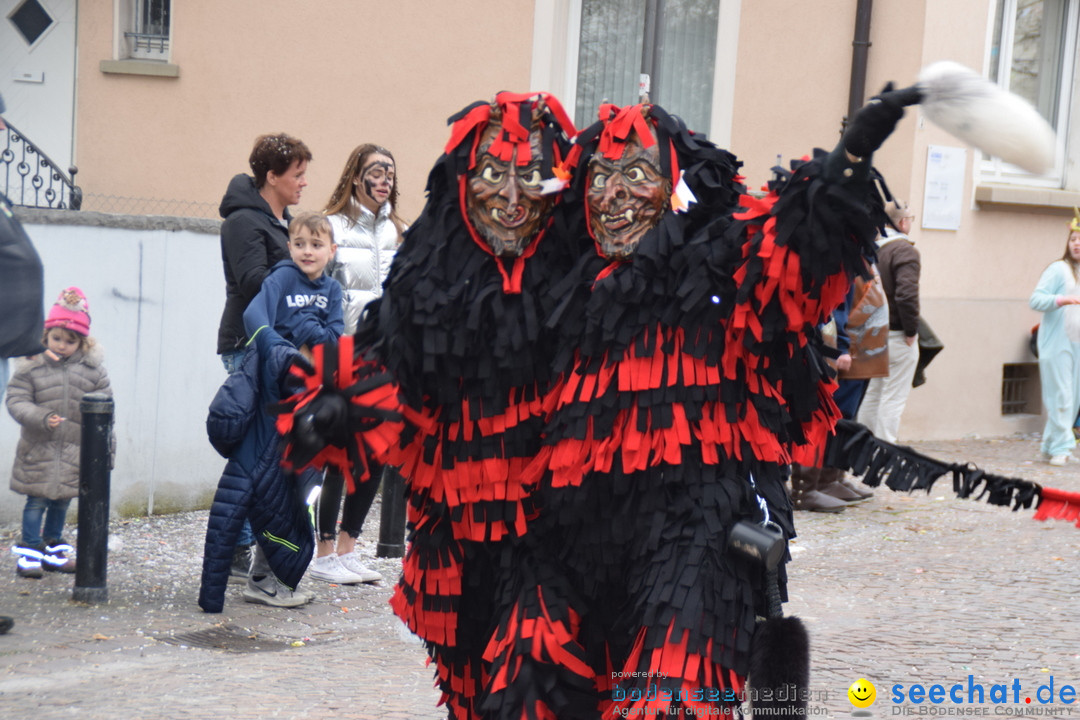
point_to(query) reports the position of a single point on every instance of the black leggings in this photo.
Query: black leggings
(356, 505)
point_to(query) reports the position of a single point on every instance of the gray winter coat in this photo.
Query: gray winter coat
(47, 459)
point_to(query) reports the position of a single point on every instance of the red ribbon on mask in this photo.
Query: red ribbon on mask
(618, 124)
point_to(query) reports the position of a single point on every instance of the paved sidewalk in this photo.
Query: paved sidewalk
(930, 589)
(150, 653)
(901, 590)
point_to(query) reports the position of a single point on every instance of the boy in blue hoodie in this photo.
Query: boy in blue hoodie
(301, 304)
(298, 300)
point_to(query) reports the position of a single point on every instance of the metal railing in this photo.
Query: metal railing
(29, 178)
(148, 42)
(150, 32)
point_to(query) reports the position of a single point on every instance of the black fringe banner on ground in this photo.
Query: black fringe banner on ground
(900, 468)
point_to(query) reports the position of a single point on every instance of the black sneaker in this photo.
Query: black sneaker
(6, 624)
(241, 564)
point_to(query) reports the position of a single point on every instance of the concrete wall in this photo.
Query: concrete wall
(156, 291)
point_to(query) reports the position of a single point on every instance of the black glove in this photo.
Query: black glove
(876, 120)
(321, 423)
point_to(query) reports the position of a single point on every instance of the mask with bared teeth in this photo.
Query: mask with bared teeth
(626, 193)
(504, 201)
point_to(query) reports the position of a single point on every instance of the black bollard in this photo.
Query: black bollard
(392, 517)
(92, 550)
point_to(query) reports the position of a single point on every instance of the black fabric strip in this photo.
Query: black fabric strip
(901, 468)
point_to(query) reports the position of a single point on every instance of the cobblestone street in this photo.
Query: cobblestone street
(930, 589)
(902, 590)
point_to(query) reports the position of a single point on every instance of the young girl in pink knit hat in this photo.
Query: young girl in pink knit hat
(43, 397)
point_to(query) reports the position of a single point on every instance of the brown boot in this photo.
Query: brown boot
(859, 488)
(804, 493)
(837, 485)
(832, 483)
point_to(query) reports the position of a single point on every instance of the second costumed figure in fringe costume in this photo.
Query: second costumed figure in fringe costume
(690, 364)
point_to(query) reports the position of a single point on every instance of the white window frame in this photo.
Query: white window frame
(556, 38)
(125, 14)
(1064, 173)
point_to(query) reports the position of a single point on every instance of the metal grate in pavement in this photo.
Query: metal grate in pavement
(225, 637)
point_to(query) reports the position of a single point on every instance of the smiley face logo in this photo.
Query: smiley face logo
(862, 693)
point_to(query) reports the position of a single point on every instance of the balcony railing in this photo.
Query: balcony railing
(29, 178)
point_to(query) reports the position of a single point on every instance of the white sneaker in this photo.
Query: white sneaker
(330, 569)
(1058, 460)
(354, 563)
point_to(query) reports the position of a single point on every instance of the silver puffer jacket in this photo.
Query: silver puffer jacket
(363, 258)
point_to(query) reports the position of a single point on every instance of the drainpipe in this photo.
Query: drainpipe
(859, 55)
(652, 49)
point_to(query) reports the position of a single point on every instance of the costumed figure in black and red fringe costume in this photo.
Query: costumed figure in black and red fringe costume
(604, 395)
(461, 328)
(690, 363)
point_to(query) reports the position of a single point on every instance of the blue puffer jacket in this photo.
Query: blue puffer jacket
(254, 484)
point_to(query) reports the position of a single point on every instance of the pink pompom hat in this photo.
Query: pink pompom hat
(71, 312)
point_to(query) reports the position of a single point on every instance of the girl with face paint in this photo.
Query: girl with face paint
(367, 231)
(1057, 297)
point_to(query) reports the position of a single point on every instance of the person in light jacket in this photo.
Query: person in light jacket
(363, 213)
(1056, 297)
(367, 228)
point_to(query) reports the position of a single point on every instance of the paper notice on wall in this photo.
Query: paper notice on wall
(944, 189)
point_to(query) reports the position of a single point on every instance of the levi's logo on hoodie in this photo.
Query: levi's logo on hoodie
(300, 300)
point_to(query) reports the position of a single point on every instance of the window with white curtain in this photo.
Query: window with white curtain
(673, 41)
(1033, 53)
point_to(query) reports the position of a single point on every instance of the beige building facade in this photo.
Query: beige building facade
(157, 122)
